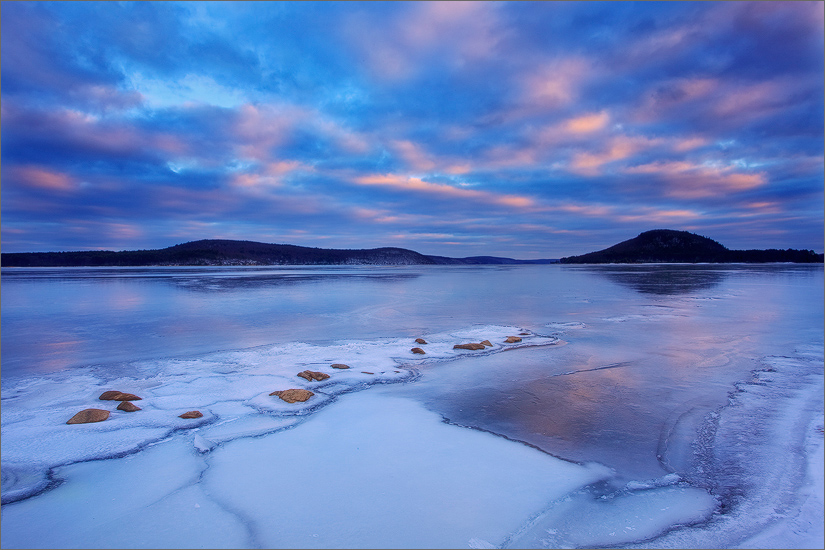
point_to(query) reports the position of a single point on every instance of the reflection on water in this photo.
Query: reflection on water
(208, 279)
(601, 414)
(663, 279)
(219, 284)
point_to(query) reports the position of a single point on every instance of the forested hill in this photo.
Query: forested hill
(669, 246)
(229, 252)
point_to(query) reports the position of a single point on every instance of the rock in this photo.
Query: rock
(365, 372)
(113, 395)
(339, 366)
(524, 334)
(468, 346)
(487, 343)
(89, 415)
(512, 340)
(128, 406)
(293, 395)
(418, 350)
(310, 375)
(420, 341)
(191, 414)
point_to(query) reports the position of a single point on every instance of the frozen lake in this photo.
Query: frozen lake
(660, 405)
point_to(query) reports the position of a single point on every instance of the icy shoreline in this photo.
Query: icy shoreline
(255, 471)
(232, 389)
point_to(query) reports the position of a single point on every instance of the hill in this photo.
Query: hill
(230, 252)
(670, 246)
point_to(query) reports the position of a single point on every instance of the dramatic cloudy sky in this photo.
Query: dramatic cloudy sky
(529, 130)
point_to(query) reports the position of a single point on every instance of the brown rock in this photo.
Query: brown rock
(420, 341)
(468, 346)
(191, 414)
(487, 343)
(512, 340)
(127, 406)
(293, 395)
(113, 395)
(365, 372)
(339, 366)
(418, 350)
(89, 415)
(310, 375)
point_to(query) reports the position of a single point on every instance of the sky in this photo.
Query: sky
(518, 129)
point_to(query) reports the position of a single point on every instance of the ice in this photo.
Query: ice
(367, 471)
(231, 389)
(382, 472)
(147, 500)
(689, 417)
(802, 528)
(762, 456)
(22, 480)
(663, 481)
(202, 444)
(584, 520)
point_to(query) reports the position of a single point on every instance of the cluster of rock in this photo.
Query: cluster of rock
(310, 375)
(295, 395)
(487, 344)
(292, 395)
(87, 416)
(471, 345)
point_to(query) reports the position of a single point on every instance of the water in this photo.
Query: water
(672, 405)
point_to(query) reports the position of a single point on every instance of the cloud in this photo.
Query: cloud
(421, 36)
(588, 123)
(617, 148)
(417, 185)
(466, 122)
(42, 178)
(686, 180)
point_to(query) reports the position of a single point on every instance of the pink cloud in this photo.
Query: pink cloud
(742, 103)
(586, 163)
(681, 145)
(406, 183)
(687, 180)
(43, 178)
(452, 33)
(555, 84)
(415, 157)
(655, 215)
(260, 129)
(588, 123)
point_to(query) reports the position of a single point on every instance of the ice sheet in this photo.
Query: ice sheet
(368, 471)
(382, 472)
(231, 389)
